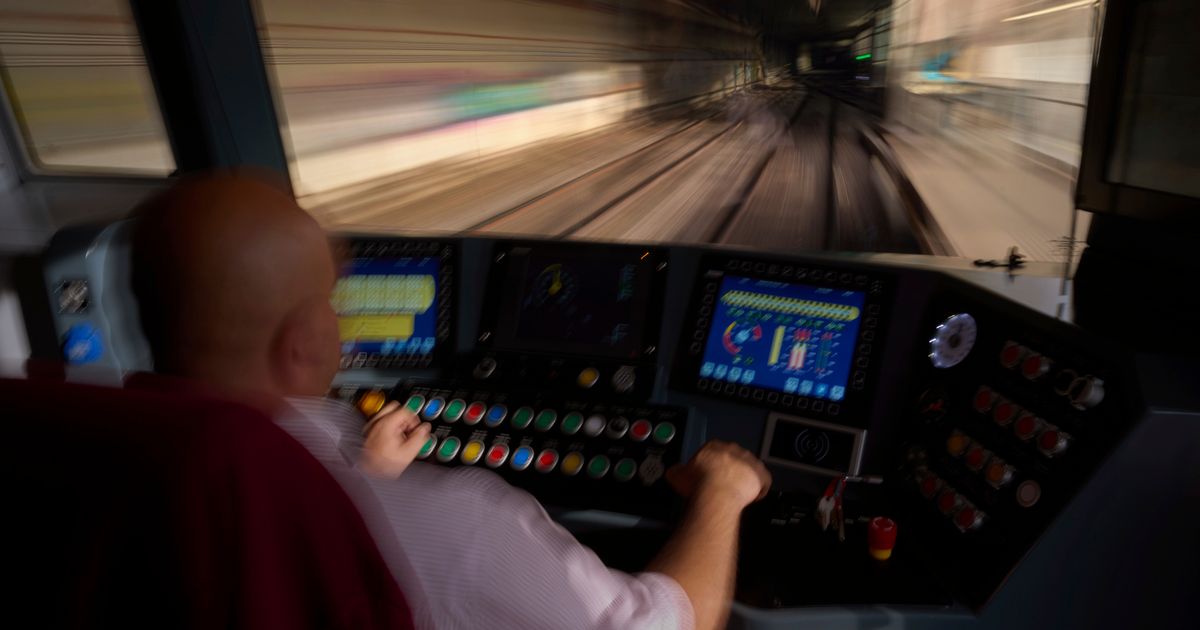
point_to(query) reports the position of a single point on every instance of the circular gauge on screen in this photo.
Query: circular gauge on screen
(555, 285)
(952, 340)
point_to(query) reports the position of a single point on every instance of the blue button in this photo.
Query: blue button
(521, 458)
(433, 408)
(496, 415)
(82, 345)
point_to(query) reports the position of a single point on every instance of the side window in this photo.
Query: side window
(79, 94)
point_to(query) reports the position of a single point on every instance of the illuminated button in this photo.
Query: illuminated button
(433, 408)
(664, 432)
(598, 467)
(545, 420)
(454, 410)
(496, 456)
(572, 463)
(1052, 441)
(998, 473)
(521, 458)
(448, 449)
(588, 377)
(546, 461)
(371, 403)
(984, 399)
(474, 412)
(929, 486)
(617, 427)
(495, 415)
(415, 402)
(1010, 356)
(1026, 426)
(1035, 366)
(1028, 493)
(522, 417)
(957, 444)
(571, 423)
(427, 448)
(1004, 413)
(640, 430)
(975, 458)
(968, 518)
(947, 501)
(472, 452)
(625, 469)
(594, 426)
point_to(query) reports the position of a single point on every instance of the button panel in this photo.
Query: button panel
(567, 453)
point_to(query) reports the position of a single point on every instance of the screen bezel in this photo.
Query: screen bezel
(444, 329)
(501, 281)
(855, 408)
(1094, 191)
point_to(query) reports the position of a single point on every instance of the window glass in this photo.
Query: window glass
(784, 126)
(78, 88)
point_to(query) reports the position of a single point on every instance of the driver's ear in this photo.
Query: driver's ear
(299, 360)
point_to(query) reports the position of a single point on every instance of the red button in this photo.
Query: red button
(1010, 355)
(1026, 426)
(497, 455)
(975, 458)
(1004, 413)
(929, 486)
(967, 518)
(547, 460)
(474, 412)
(983, 400)
(640, 430)
(1035, 366)
(946, 501)
(1052, 442)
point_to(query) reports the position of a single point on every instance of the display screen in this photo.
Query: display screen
(385, 306)
(559, 300)
(791, 338)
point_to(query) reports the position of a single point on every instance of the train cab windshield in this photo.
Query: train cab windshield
(602, 313)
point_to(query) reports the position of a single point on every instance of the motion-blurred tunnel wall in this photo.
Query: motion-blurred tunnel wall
(369, 88)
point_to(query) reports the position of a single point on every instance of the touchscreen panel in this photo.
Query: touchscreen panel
(786, 337)
(386, 306)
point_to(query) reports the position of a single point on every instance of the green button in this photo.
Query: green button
(430, 442)
(625, 469)
(571, 423)
(545, 420)
(454, 410)
(449, 449)
(522, 417)
(598, 467)
(415, 402)
(664, 432)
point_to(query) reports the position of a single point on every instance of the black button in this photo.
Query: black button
(859, 375)
(758, 394)
(788, 399)
(830, 276)
(802, 403)
(844, 278)
(702, 384)
(868, 335)
(773, 397)
(860, 280)
(698, 335)
(744, 391)
(871, 322)
(865, 348)
(707, 299)
(818, 405)
(747, 266)
(731, 265)
(705, 310)
(873, 309)
(862, 362)
(730, 388)
(787, 271)
(710, 287)
(695, 348)
(773, 270)
(834, 409)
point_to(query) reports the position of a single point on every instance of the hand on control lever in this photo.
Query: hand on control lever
(394, 436)
(722, 471)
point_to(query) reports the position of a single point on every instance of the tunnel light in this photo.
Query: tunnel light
(863, 57)
(1055, 9)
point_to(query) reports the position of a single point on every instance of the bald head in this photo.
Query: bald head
(233, 280)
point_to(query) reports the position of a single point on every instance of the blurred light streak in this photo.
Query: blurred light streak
(1054, 9)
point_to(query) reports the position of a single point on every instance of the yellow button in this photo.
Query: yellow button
(588, 377)
(371, 403)
(572, 463)
(472, 452)
(957, 444)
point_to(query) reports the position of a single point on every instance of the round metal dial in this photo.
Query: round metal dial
(952, 340)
